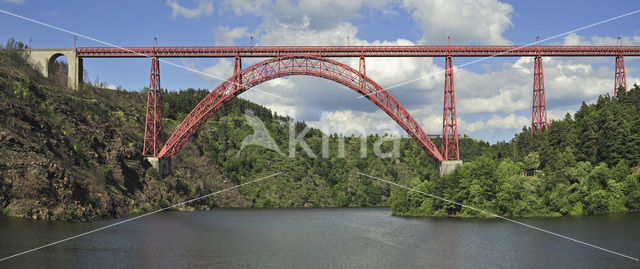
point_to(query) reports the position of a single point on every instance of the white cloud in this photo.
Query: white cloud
(574, 39)
(19, 2)
(317, 22)
(309, 99)
(505, 101)
(559, 114)
(343, 121)
(283, 110)
(465, 21)
(470, 127)
(204, 7)
(219, 72)
(242, 7)
(226, 37)
(316, 14)
(431, 123)
(510, 122)
(494, 124)
(497, 99)
(353, 122)
(283, 34)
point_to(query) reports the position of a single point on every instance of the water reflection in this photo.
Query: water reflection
(321, 238)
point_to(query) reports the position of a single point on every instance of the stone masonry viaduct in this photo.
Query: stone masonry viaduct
(44, 58)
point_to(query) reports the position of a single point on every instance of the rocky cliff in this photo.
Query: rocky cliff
(75, 155)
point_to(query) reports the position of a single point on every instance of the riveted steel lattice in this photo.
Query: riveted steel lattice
(153, 130)
(539, 108)
(449, 121)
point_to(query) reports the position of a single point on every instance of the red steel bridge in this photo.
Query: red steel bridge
(315, 61)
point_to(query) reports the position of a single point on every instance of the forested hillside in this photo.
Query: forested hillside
(586, 164)
(316, 181)
(75, 155)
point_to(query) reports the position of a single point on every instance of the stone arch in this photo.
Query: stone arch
(44, 58)
(52, 61)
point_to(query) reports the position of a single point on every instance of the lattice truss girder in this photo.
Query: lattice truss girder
(357, 51)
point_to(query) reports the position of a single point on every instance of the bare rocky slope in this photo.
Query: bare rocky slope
(76, 155)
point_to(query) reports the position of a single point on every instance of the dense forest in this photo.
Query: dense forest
(319, 181)
(585, 164)
(75, 155)
(330, 180)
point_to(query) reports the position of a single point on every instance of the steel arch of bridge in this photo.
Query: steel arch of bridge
(292, 65)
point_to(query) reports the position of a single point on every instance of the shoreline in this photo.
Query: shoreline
(447, 217)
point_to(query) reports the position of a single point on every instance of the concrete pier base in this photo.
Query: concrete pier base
(162, 165)
(446, 167)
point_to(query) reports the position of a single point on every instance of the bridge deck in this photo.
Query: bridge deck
(357, 51)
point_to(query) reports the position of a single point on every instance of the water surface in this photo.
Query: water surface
(321, 238)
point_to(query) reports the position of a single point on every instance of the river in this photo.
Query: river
(321, 238)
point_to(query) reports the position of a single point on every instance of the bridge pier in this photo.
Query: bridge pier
(43, 59)
(153, 130)
(620, 76)
(448, 166)
(539, 107)
(450, 149)
(162, 165)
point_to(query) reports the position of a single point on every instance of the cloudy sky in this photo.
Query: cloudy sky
(493, 95)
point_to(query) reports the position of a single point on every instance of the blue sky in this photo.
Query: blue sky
(493, 96)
